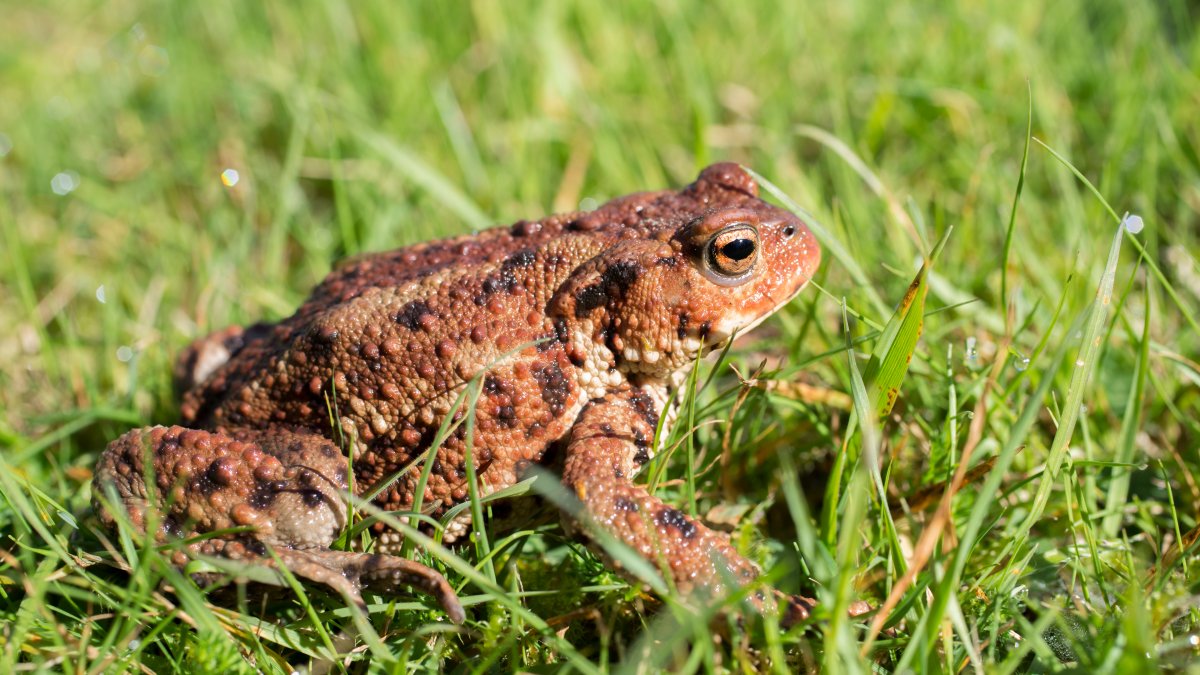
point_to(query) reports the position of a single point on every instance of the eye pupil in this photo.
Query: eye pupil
(738, 249)
(730, 255)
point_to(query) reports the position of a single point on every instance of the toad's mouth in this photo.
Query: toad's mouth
(694, 342)
(740, 323)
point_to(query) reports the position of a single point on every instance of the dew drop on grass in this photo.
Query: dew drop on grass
(1194, 640)
(1133, 224)
(230, 177)
(1079, 363)
(134, 644)
(64, 183)
(100, 294)
(1021, 364)
(588, 204)
(972, 354)
(124, 353)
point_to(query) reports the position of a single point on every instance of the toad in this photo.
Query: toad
(579, 328)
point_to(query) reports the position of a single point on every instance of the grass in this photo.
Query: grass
(1058, 353)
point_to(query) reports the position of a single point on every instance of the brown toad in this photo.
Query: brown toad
(580, 326)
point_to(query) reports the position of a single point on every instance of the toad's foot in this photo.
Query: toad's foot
(278, 489)
(347, 572)
(799, 608)
(607, 446)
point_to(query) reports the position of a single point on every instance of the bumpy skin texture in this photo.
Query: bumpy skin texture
(583, 323)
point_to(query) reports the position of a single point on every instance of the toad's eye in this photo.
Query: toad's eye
(731, 254)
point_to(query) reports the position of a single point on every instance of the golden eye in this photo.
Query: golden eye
(731, 254)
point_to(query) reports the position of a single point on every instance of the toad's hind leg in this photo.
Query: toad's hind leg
(606, 447)
(280, 489)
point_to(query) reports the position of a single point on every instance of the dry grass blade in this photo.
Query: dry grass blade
(1183, 546)
(941, 518)
(923, 498)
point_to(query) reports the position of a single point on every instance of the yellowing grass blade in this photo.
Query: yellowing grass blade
(884, 374)
(894, 350)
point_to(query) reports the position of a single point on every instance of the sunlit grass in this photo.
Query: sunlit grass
(170, 169)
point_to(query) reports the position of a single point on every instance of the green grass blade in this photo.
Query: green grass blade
(1084, 366)
(1131, 423)
(1012, 213)
(412, 167)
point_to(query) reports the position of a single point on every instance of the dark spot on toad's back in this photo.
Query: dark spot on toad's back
(523, 258)
(483, 457)
(489, 287)
(674, 519)
(612, 285)
(559, 336)
(620, 276)
(555, 387)
(626, 505)
(172, 526)
(410, 315)
(589, 298)
(507, 415)
(492, 385)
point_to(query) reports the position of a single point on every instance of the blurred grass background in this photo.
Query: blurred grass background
(167, 169)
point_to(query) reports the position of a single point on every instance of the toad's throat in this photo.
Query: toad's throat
(648, 360)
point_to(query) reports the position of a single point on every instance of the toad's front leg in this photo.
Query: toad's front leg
(252, 491)
(607, 446)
